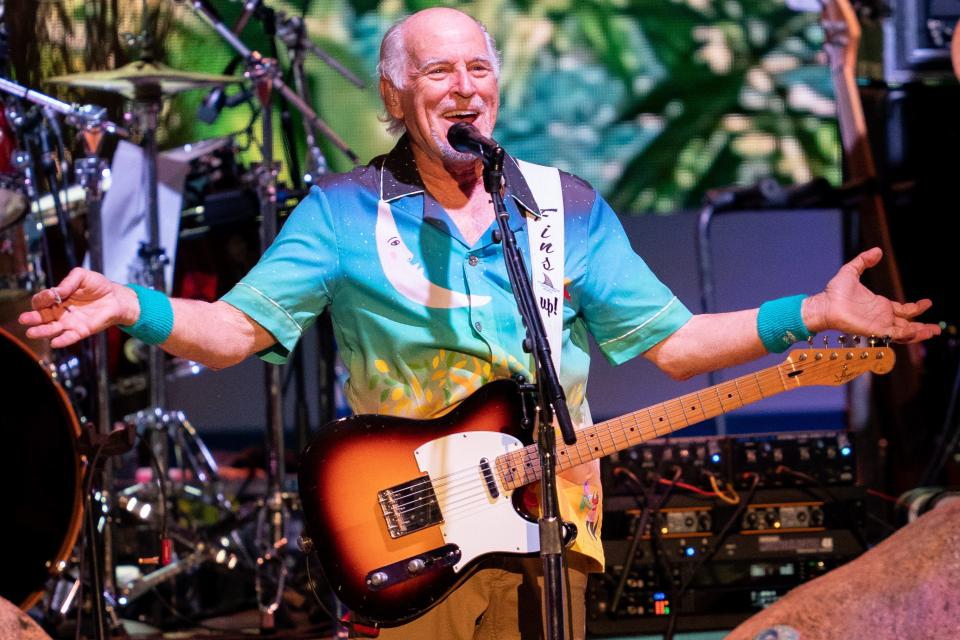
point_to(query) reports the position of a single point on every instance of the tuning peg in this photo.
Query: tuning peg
(872, 341)
(842, 339)
(826, 342)
(887, 340)
(856, 339)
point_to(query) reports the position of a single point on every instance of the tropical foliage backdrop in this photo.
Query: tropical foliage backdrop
(652, 101)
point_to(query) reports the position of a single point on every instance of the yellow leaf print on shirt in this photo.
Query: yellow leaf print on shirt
(427, 388)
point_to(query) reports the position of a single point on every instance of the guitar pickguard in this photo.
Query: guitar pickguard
(472, 518)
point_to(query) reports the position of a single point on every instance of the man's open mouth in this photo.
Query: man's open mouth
(461, 116)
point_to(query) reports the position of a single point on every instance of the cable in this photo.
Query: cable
(87, 536)
(688, 487)
(641, 525)
(734, 497)
(884, 496)
(721, 538)
(313, 590)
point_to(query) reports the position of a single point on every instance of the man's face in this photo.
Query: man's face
(449, 79)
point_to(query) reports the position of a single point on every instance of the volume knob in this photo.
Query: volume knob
(416, 566)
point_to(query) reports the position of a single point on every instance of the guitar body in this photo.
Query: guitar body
(399, 512)
(351, 461)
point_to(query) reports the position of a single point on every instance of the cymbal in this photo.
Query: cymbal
(142, 79)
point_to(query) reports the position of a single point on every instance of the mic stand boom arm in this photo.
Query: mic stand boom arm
(551, 401)
(203, 9)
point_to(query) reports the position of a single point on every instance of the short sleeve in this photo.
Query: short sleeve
(291, 284)
(625, 306)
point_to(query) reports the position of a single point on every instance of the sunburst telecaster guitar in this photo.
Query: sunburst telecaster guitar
(399, 512)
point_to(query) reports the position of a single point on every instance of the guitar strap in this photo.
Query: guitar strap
(546, 250)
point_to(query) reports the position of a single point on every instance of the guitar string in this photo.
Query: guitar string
(447, 484)
(453, 481)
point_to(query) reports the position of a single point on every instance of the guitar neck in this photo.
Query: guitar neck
(522, 467)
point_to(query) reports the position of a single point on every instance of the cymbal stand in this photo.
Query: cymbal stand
(293, 33)
(206, 12)
(267, 78)
(89, 169)
(273, 515)
(159, 426)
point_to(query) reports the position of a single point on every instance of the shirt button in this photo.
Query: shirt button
(473, 260)
(478, 327)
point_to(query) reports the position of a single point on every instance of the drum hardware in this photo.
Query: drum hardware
(271, 542)
(51, 162)
(37, 268)
(43, 472)
(146, 83)
(76, 115)
(266, 76)
(135, 79)
(292, 31)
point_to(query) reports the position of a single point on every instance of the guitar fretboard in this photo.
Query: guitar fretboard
(522, 467)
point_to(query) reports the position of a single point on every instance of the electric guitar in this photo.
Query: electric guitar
(399, 512)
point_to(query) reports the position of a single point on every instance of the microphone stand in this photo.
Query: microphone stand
(254, 58)
(551, 402)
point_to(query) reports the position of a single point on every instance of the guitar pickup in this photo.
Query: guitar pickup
(488, 478)
(409, 507)
(413, 567)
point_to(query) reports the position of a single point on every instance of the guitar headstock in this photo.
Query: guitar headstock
(836, 365)
(841, 32)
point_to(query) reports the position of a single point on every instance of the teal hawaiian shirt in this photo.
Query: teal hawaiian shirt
(422, 319)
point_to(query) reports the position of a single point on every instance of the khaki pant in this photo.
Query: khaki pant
(500, 602)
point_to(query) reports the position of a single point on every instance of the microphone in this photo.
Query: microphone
(465, 138)
(212, 104)
(216, 99)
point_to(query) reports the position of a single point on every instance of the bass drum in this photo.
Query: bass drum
(41, 474)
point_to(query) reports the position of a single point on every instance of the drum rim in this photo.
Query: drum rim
(73, 529)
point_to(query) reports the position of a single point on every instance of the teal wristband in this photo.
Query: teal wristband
(780, 323)
(156, 316)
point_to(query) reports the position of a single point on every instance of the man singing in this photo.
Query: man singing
(403, 253)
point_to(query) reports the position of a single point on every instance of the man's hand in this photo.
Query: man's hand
(83, 304)
(846, 305)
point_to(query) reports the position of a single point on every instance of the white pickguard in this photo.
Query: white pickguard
(472, 519)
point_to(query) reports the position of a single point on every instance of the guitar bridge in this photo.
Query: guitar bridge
(410, 506)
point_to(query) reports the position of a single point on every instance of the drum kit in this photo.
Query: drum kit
(83, 486)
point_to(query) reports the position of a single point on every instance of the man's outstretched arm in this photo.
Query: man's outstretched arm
(214, 334)
(714, 341)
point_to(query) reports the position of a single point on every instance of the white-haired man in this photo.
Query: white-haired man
(404, 254)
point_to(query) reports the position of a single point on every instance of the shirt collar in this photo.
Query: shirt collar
(399, 177)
